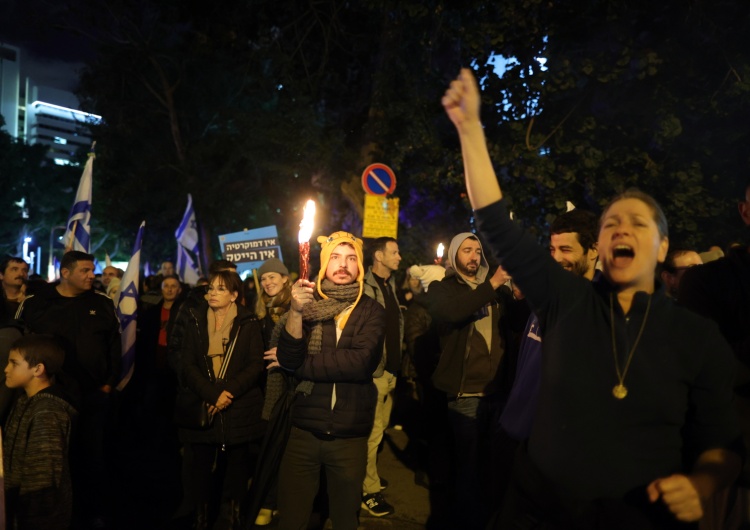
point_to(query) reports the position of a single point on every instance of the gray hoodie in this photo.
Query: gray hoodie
(450, 267)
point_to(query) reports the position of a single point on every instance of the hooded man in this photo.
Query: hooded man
(467, 305)
(332, 340)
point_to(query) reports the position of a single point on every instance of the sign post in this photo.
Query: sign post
(381, 213)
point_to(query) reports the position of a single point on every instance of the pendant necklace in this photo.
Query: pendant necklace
(620, 390)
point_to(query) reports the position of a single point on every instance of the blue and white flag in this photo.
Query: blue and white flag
(187, 232)
(186, 269)
(127, 309)
(78, 232)
(187, 242)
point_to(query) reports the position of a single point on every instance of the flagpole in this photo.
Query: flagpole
(71, 242)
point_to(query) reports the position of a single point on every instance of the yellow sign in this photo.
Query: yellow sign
(381, 217)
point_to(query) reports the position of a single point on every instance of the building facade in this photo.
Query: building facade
(40, 114)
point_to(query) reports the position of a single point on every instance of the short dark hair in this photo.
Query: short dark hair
(221, 265)
(170, 277)
(72, 257)
(379, 245)
(8, 260)
(580, 222)
(658, 214)
(40, 349)
(230, 279)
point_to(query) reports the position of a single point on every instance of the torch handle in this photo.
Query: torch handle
(304, 261)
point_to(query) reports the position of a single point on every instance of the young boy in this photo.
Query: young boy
(35, 441)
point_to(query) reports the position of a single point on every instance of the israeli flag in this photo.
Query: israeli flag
(187, 241)
(127, 309)
(187, 232)
(186, 269)
(78, 233)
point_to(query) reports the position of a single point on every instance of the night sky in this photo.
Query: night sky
(49, 55)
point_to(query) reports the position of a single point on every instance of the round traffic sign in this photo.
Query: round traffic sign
(378, 179)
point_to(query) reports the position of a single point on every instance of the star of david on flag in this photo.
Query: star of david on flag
(127, 309)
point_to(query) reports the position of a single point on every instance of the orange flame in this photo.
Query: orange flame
(307, 225)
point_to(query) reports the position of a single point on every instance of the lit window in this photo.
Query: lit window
(62, 162)
(59, 140)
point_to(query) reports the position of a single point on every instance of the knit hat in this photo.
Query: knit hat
(327, 244)
(273, 265)
(427, 274)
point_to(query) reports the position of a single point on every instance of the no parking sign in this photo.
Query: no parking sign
(380, 213)
(378, 179)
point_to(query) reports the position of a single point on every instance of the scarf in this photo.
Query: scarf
(340, 297)
(274, 306)
(218, 340)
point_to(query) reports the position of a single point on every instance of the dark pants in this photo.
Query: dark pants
(89, 458)
(474, 422)
(344, 461)
(236, 467)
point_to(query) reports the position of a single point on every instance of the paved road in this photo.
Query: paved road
(411, 502)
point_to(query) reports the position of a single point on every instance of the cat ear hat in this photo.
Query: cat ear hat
(327, 245)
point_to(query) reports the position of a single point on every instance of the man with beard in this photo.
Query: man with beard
(572, 244)
(467, 306)
(13, 273)
(333, 340)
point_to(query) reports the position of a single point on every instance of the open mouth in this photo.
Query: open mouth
(622, 255)
(623, 251)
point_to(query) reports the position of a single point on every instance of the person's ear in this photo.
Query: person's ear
(744, 208)
(663, 249)
(593, 252)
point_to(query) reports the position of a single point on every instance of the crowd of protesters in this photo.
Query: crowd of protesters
(598, 382)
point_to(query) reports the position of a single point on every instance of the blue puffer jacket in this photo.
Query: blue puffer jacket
(347, 365)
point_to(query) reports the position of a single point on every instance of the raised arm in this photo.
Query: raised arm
(461, 102)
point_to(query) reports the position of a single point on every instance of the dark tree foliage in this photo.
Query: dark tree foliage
(255, 106)
(27, 208)
(652, 95)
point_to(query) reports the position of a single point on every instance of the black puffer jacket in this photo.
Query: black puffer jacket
(348, 365)
(241, 421)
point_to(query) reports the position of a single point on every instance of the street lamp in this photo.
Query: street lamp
(51, 276)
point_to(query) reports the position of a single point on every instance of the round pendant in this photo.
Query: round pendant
(619, 391)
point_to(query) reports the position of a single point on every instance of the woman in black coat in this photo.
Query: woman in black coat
(223, 355)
